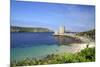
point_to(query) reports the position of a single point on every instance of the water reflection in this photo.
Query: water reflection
(66, 40)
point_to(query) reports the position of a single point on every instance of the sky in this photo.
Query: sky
(76, 18)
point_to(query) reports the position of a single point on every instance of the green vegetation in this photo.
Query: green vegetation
(90, 34)
(86, 55)
(28, 29)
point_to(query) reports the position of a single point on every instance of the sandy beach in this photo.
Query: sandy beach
(87, 43)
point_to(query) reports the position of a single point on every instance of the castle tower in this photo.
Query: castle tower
(62, 30)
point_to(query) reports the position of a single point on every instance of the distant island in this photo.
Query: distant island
(29, 29)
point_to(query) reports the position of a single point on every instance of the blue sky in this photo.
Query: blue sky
(50, 15)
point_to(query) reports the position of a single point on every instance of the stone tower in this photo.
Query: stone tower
(62, 30)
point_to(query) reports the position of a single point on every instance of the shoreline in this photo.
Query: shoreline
(83, 46)
(88, 43)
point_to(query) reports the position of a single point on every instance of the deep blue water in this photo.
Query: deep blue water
(20, 40)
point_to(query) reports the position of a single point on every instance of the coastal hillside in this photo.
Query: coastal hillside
(90, 34)
(28, 29)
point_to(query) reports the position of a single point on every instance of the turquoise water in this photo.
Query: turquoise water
(39, 51)
(36, 45)
(34, 52)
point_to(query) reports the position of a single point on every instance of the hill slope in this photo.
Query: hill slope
(28, 29)
(90, 34)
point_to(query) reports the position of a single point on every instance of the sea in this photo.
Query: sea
(38, 45)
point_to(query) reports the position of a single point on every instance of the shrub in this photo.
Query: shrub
(86, 55)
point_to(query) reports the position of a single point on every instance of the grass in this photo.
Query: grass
(86, 55)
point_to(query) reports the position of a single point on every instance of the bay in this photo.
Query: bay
(37, 45)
